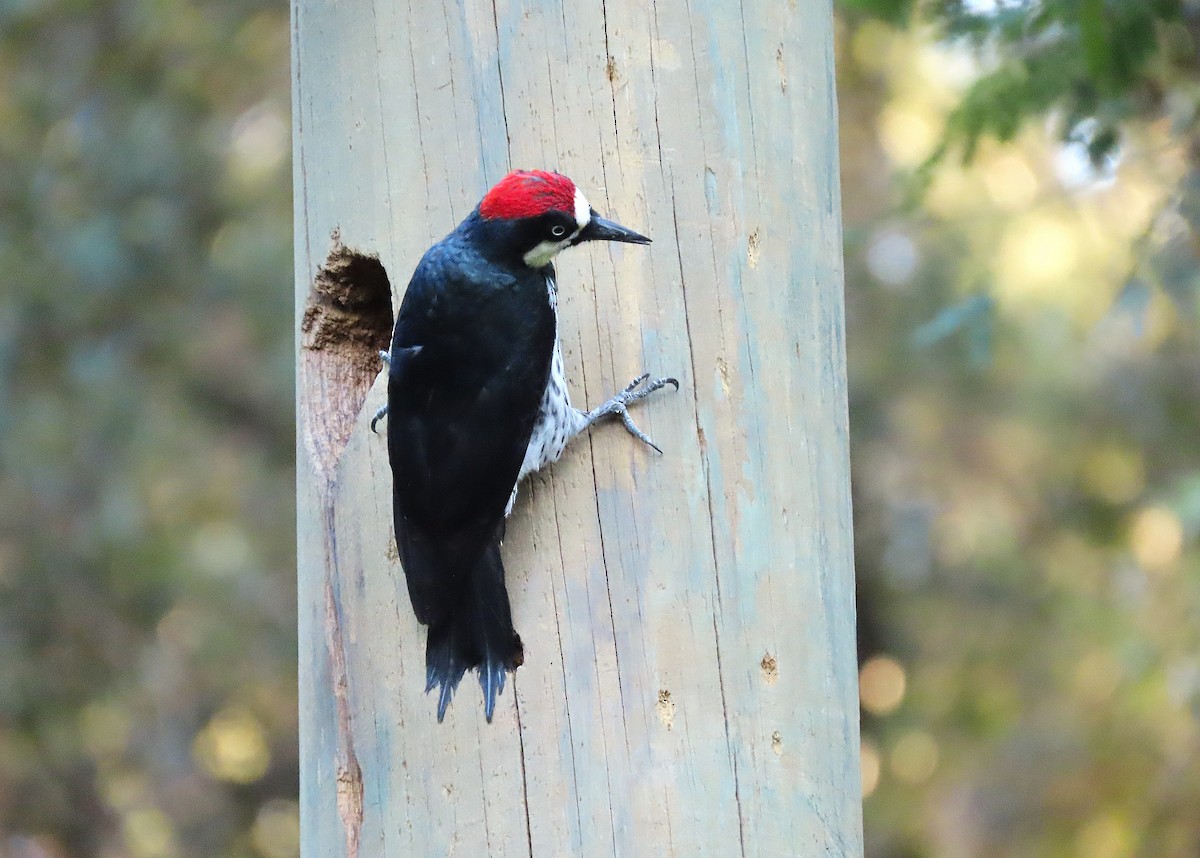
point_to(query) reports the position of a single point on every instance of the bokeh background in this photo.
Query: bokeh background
(1022, 197)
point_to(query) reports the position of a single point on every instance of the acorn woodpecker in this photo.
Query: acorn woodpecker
(476, 400)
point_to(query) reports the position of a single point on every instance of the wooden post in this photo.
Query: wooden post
(689, 685)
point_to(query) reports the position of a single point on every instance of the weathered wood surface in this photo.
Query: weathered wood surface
(689, 685)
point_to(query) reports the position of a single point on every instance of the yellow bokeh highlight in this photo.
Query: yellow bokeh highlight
(1037, 256)
(870, 766)
(953, 191)
(220, 548)
(1130, 203)
(1156, 538)
(944, 71)
(276, 831)
(259, 145)
(881, 684)
(149, 834)
(1104, 837)
(914, 757)
(1011, 183)
(1113, 473)
(908, 132)
(233, 747)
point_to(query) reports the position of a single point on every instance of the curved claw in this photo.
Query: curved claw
(619, 405)
(657, 384)
(629, 387)
(633, 430)
(379, 415)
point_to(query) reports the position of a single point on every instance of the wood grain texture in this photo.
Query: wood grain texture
(690, 681)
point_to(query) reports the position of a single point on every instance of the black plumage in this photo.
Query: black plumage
(475, 373)
(470, 358)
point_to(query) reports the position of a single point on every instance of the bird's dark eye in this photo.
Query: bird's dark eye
(558, 231)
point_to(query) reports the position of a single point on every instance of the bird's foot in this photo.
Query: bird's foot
(386, 357)
(619, 404)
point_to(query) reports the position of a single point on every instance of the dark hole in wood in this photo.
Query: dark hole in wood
(347, 321)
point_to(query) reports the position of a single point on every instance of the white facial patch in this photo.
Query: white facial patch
(545, 251)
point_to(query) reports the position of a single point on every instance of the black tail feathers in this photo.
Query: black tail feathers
(476, 633)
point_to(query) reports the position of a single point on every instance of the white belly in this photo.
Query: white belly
(558, 421)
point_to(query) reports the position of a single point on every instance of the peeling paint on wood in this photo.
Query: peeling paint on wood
(690, 683)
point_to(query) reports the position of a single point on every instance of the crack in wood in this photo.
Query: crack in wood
(349, 772)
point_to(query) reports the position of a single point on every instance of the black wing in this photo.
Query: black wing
(470, 359)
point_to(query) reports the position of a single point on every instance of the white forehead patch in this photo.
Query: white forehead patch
(583, 211)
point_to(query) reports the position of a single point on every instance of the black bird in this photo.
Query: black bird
(477, 400)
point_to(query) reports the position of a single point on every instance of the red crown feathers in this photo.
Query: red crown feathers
(528, 193)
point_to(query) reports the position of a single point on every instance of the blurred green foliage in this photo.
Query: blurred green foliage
(147, 608)
(1025, 392)
(1094, 63)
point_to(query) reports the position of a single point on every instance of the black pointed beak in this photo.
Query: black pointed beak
(602, 229)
